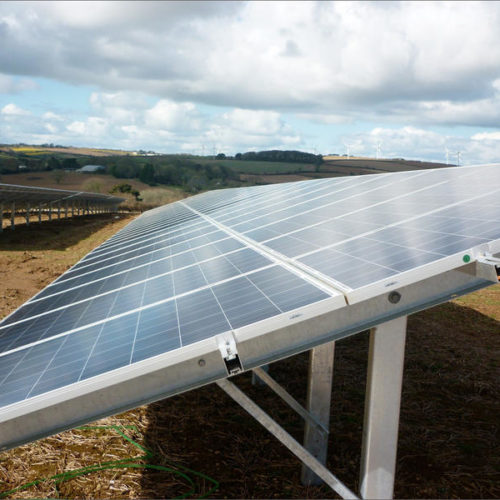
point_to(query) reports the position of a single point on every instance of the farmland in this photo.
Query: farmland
(260, 167)
(450, 379)
(40, 150)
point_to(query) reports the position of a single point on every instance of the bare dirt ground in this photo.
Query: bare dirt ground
(448, 440)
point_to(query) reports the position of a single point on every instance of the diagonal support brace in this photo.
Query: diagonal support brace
(290, 400)
(294, 446)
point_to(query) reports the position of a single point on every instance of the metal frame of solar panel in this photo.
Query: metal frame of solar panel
(16, 198)
(230, 280)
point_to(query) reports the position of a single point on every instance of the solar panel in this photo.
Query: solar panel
(182, 281)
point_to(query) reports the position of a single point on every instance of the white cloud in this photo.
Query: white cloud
(51, 128)
(12, 109)
(94, 127)
(126, 120)
(487, 136)
(420, 144)
(49, 115)
(169, 115)
(433, 62)
(253, 122)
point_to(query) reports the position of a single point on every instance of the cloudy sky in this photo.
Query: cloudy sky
(236, 76)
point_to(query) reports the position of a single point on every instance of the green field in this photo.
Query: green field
(259, 167)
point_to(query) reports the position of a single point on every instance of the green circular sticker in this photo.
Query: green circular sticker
(466, 258)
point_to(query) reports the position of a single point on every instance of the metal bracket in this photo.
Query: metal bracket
(486, 267)
(229, 352)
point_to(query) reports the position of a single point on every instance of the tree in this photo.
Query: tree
(126, 188)
(53, 163)
(147, 174)
(58, 175)
(70, 164)
(196, 183)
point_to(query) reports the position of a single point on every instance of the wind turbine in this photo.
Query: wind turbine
(459, 156)
(379, 149)
(348, 147)
(447, 156)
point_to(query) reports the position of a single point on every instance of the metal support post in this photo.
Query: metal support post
(27, 214)
(72, 208)
(39, 213)
(383, 397)
(50, 210)
(1, 217)
(59, 210)
(66, 209)
(13, 216)
(295, 447)
(319, 393)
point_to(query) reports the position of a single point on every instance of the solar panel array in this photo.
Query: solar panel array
(30, 194)
(226, 259)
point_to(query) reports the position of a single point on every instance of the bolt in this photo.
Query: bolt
(394, 297)
(201, 362)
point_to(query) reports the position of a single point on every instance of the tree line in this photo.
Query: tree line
(281, 156)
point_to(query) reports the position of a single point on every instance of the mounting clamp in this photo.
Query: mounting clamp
(227, 347)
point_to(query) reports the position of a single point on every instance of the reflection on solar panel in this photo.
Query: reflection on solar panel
(185, 280)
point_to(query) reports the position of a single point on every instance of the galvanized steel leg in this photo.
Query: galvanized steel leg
(383, 397)
(27, 214)
(295, 447)
(1, 217)
(319, 392)
(59, 210)
(13, 216)
(39, 213)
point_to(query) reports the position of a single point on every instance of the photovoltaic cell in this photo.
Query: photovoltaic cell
(227, 259)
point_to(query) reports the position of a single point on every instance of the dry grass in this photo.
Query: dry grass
(448, 445)
(161, 196)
